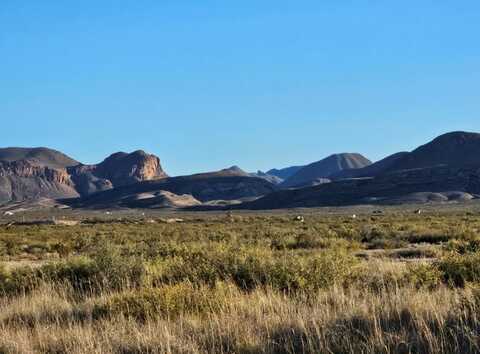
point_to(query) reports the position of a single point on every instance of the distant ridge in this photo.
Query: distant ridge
(270, 178)
(41, 156)
(284, 173)
(371, 170)
(453, 149)
(447, 169)
(323, 169)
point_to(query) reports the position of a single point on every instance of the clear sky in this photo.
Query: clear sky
(258, 83)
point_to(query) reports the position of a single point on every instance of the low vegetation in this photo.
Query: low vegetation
(394, 283)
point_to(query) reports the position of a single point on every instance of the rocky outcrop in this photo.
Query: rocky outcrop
(117, 170)
(25, 169)
(21, 180)
(122, 168)
(43, 173)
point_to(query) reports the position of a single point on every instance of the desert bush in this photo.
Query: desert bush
(135, 287)
(12, 248)
(18, 280)
(429, 238)
(249, 268)
(387, 243)
(463, 246)
(118, 271)
(457, 270)
(168, 300)
(423, 275)
(377, 276)
(306, 241)
(79, 272)
(37, 248)
(283, 242)
(107, 270)
(412, 253)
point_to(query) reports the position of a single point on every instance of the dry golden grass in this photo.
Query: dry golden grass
(401, 320)
(261, 284)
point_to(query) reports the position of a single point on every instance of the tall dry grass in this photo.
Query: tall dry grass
(257, 285)
(397, 320)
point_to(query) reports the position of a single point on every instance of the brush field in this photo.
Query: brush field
(390, 282)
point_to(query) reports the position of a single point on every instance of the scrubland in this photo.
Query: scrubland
(390, 283)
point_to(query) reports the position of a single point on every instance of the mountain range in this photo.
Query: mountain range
(445, 169)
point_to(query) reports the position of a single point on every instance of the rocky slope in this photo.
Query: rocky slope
(20, 180)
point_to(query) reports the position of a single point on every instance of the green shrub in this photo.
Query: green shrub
(306, 241)
(457, 270)
(429, 238)
(464, 246)
(117, 271)
(108, 270)
(423, 275)
(168, 300)
(281, 243)
(18, 280)
(249, 268)
(37, 248)
(376, 280)
(387, 243)
(12, 248)
(81, 273)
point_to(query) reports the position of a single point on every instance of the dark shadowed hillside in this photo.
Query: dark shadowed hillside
(203, 187)
(284, 173)
(371, 170)
(408, 185)
(454, 149)
(270, 178)
(325, 168)
(446, 169)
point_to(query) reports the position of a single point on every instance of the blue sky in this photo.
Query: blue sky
(258, 83)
